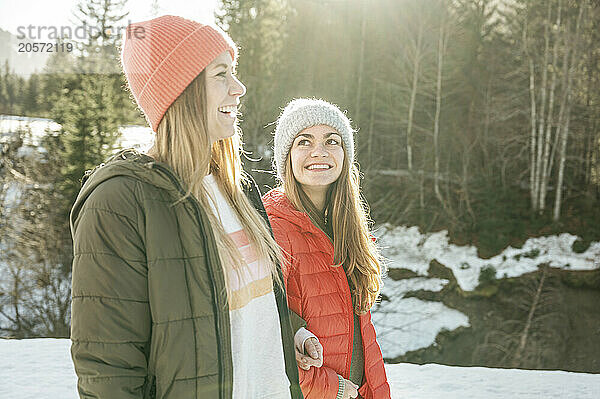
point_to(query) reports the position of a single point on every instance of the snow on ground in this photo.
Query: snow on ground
(437, 381)
(139, 137)
(42, 369)
(9, 124)
(396, 287)
(406, 324)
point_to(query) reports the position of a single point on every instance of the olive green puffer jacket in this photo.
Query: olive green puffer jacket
(149, 312)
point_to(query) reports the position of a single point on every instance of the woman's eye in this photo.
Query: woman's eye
(333, 142)
(303, 142)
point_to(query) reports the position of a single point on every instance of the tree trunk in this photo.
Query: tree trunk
(591, 128)
(563, 101)
(543, 87)
(591, 145)
(565, 133)
(549, 123)
(413, 95)
(438, 106)
(533, 119)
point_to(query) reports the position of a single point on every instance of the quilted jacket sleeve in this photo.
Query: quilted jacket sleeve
(110, 322)
(316, 382)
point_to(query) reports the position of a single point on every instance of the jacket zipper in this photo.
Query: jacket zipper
(222, 347)
(348, 297)
(351, 321)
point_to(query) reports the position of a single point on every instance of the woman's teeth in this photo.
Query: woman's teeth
(229, 109)
(311, 167)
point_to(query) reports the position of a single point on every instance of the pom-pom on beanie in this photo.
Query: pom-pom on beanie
(303, 113)
(162, 56)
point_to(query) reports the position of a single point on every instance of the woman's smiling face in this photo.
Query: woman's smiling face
(223, 92)
(317, 157)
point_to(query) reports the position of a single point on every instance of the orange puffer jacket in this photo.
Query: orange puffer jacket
(320, 294)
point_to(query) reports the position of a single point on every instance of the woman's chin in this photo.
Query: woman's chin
(317, 184)
(223, 134)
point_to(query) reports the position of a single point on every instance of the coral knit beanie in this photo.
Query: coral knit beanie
(162, 56)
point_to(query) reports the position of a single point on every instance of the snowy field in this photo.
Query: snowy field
(42, 369)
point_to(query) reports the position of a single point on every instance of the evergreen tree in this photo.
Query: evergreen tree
(58, 77)
(89, 108)
(100, 52)
(30, 102)
(11, 90)
(88, 117)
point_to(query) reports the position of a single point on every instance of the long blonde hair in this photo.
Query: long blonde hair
(183, 142)
(347, 219)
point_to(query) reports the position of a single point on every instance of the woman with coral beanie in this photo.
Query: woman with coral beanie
(176, 284)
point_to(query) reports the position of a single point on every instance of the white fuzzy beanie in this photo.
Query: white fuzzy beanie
(303, 113)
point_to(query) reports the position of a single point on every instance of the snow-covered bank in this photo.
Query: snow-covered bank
(42, 368)
(407, 324)
(407, 248)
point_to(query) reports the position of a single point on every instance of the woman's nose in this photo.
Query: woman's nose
(319, 151)
(237, 88)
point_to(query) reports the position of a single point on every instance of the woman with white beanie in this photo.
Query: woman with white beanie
(176, 283)
(332, 271)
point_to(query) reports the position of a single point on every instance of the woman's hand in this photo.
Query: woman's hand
(350, 389)
(312, 356)
(314, 349)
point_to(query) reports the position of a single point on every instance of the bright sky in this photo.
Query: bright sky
(57, 13)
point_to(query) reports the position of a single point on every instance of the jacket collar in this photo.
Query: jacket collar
(130, 163)
(278, 205)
